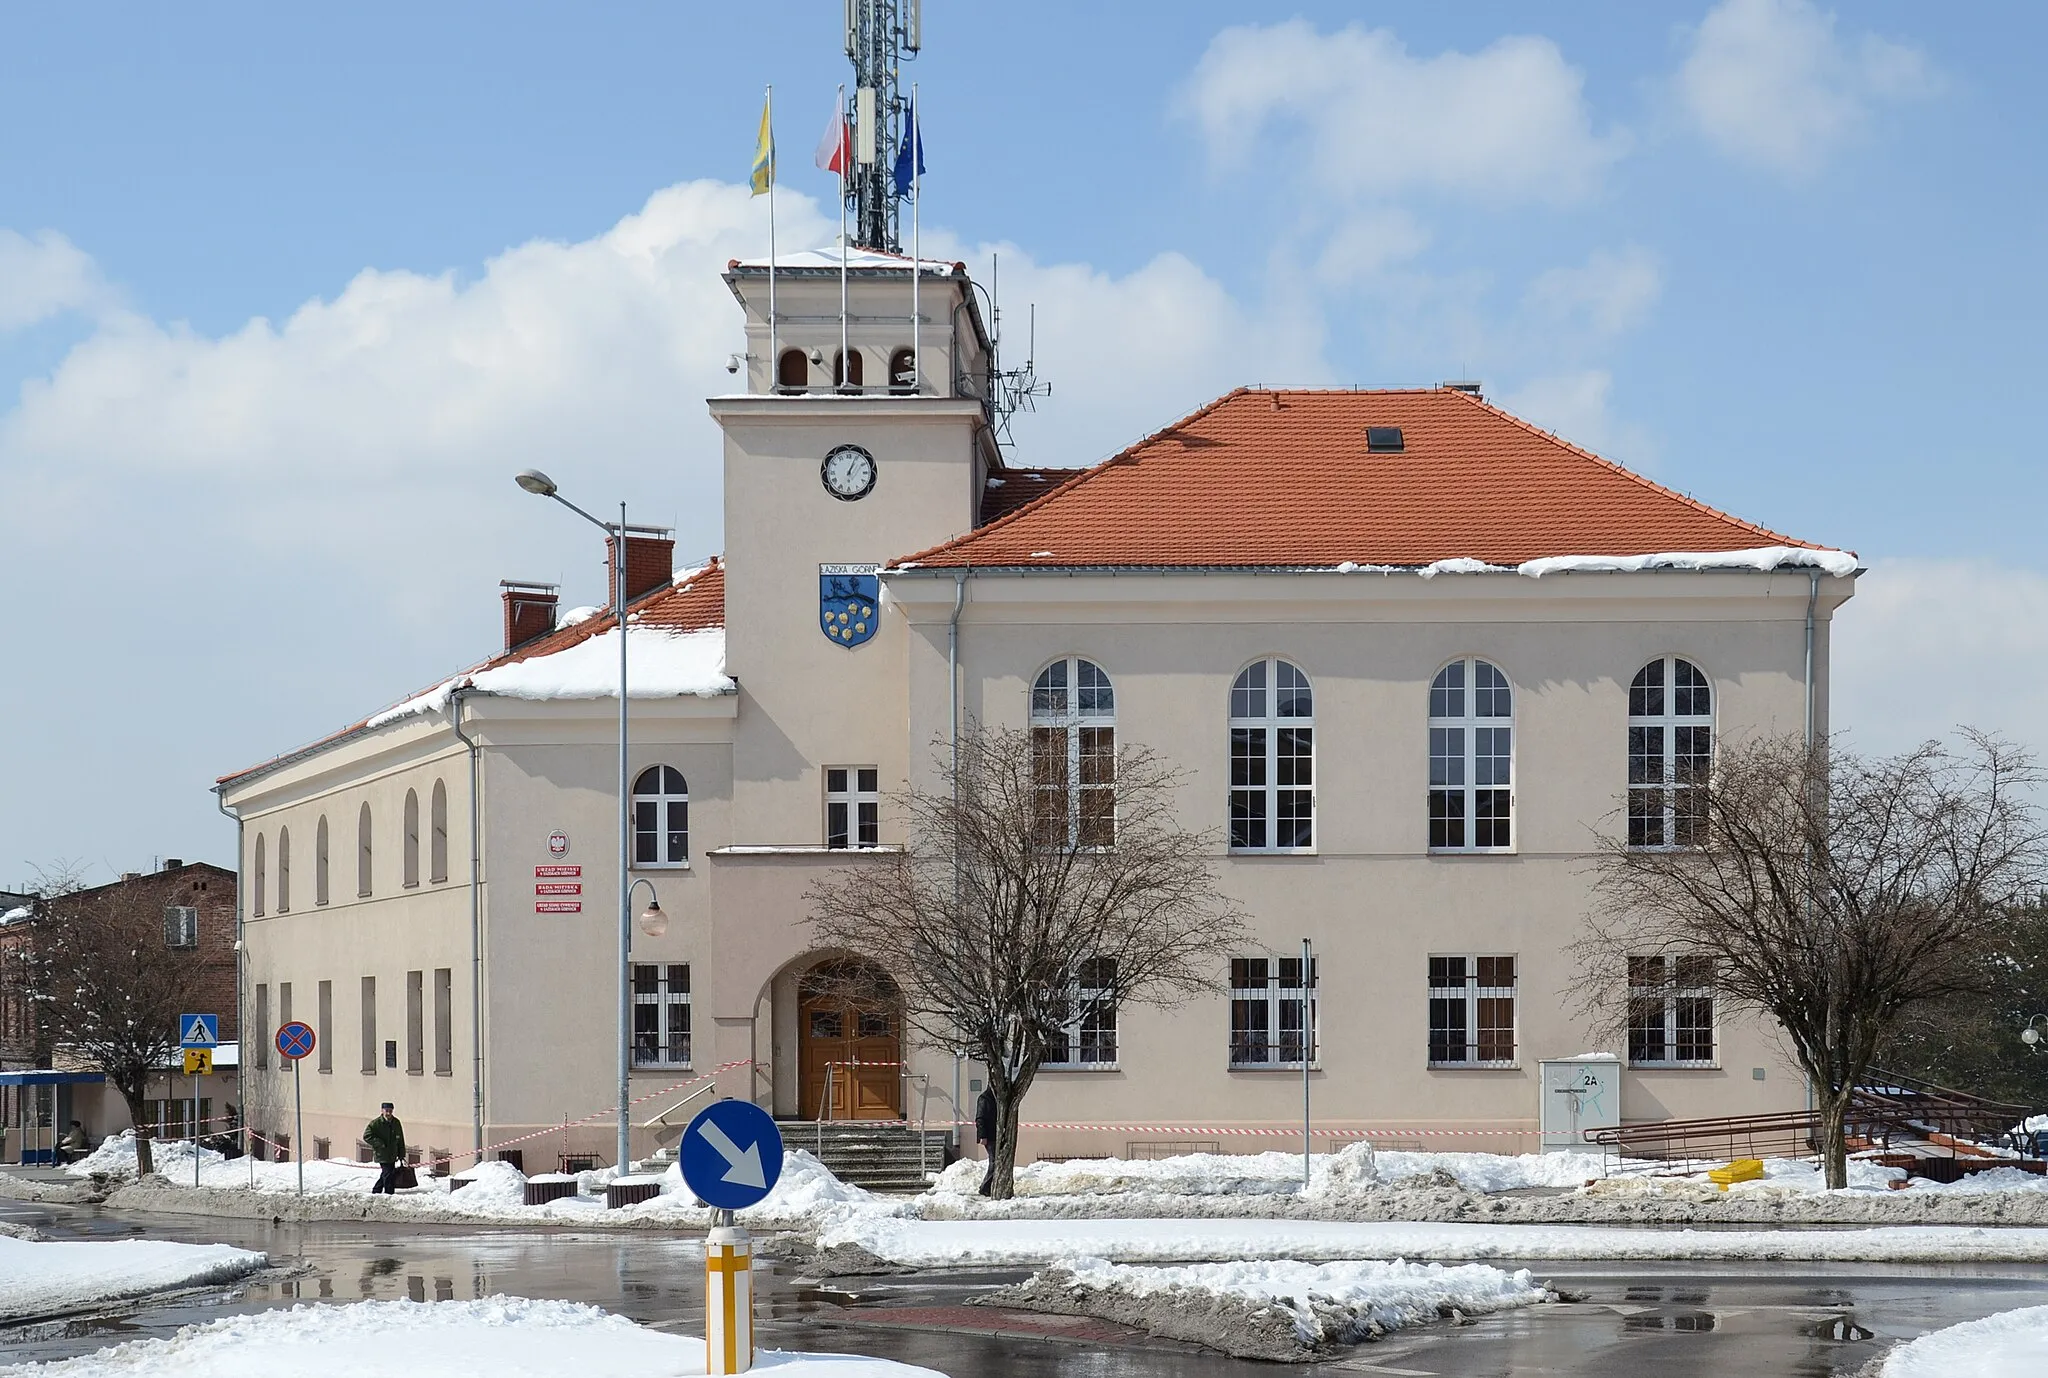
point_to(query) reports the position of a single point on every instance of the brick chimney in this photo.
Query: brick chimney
(650, 561)
(529, 610)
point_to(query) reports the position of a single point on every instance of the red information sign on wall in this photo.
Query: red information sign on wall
(558, 906)
(558, 887)
(556, 872)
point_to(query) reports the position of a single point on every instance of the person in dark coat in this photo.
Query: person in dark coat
(985, 1134)
(386, 1138)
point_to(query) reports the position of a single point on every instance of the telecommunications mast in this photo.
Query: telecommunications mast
(880, 36)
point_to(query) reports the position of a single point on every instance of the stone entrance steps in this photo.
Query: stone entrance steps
(880, 1155)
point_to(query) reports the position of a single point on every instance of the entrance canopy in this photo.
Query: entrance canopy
(49, 1078)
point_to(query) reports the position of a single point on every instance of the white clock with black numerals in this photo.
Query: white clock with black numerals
(848, 473)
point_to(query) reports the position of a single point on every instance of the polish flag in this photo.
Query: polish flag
(835, 150)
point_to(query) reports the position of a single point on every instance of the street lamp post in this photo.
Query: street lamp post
(539, 484)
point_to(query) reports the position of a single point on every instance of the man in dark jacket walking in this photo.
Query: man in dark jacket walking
(985, 1134)
(386, 1138)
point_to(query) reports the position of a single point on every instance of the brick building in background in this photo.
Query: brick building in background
(192, 906)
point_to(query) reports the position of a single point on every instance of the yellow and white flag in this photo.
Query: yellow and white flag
(764, 152)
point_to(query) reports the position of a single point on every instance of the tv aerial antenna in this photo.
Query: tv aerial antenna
(1013, 389)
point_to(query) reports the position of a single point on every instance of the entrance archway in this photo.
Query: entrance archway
(850, 1021)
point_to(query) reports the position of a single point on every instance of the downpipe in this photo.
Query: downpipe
(476, 924)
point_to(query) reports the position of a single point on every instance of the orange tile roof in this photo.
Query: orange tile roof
(1284, 478)
(1009, 489)
(694, 602)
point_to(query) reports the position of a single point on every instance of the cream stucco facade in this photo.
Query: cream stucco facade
(435, 964)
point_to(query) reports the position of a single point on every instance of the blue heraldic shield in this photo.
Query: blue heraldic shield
(849, 596)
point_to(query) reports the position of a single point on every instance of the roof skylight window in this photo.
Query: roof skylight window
(1383, 440)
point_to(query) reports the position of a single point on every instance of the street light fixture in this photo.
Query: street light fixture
(2031, 1035)
(540, 485)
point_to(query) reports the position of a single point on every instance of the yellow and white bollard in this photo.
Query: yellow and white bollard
(728, 1300)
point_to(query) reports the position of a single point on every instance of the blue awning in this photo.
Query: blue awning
(48, 1078)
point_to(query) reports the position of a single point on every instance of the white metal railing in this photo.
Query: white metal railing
(662, 1118)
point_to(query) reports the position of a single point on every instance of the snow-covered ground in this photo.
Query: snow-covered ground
(49, 1277)
(807, 1191)
(1327, 1302)
(497, 1337)
(935, 1243)
(2000, 1346)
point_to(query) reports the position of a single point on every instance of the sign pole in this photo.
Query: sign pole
(195, 1128)
(731, 1157)
(299, 1128)
(728, 1297)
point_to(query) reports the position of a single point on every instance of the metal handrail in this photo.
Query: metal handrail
(662, 1118)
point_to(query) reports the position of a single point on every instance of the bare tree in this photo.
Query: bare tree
(1833, 892)
(108, 991)
(1025, 902)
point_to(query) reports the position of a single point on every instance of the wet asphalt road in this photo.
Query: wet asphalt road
(1681, 1319)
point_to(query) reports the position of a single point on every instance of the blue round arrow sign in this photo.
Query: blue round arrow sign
(295, 1040)
(731, 1154)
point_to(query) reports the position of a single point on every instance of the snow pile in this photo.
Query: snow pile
(496, 1337)
(1012, 1243)
(44, 1278)
(1353, 1168)
(1761, 558)
(1327, 1302)
(115, 1157)
(664, 664)
(1999, 1346)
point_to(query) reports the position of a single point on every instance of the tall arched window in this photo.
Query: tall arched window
(903, 371)
(320, 861)
(793, 370)
(363, 852)
(661, 818)
(1471, 758)
(437, 837)
(410, 857)
(284, 870)
(1073, 754)
(1272, 758)
(1670, 753)
(846, 369)
(259, 874)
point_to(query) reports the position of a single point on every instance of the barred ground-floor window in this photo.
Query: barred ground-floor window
(1087, 1037)
(1472, 1011)
(1671, 1011)
(661, 1014)
(1272, 1012)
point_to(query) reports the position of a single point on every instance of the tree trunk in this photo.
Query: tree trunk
(1003, 1152)
(145, 1158)
(1834, 1142)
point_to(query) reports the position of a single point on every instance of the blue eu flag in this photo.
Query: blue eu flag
(911, 149)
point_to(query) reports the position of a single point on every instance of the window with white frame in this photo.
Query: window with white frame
(1272, 1016)
(1073, 755)
(661, 818)
(1087, 1036)
(1472, 1011)
(1272, 759)
(181, 925)
(661, 1014)
(1671, 1011)
(853, 806)
(1670, 753)
(1471, 758)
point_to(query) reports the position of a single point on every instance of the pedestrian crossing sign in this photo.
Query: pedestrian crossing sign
(198, 1030)
(199, 1062)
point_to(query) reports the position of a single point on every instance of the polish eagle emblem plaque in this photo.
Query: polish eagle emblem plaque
(849, 599)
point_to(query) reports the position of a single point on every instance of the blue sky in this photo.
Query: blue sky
(285, 295)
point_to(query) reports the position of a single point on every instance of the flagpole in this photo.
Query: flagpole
(916, 254)
(845, 369)
(774, 344)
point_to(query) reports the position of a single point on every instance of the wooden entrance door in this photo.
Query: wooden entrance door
(850, 1021)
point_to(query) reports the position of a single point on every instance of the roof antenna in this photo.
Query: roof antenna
(1016, 389)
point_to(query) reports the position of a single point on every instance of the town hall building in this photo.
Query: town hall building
(1412, 656)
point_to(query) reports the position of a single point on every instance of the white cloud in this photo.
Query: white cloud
(1579, 408)
(46, 276)
(1368, 243)
(1507, 124)
(1611, 294)
(1927, 646)
(1770, 82)
(273, 531)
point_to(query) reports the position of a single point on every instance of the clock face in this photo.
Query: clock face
(848, 472)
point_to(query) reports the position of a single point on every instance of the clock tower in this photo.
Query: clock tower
(846, 450)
